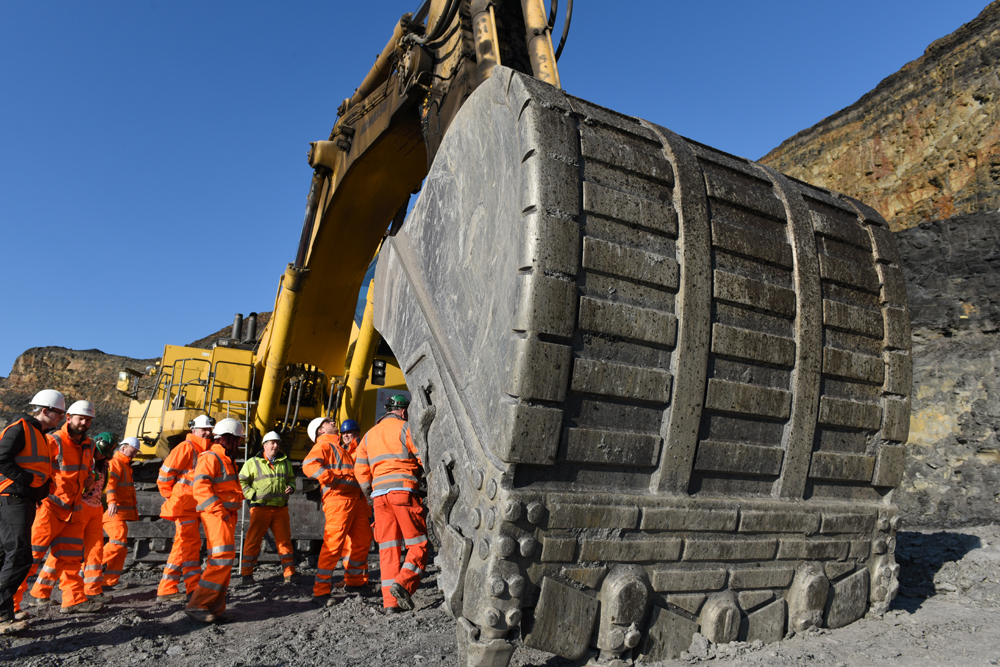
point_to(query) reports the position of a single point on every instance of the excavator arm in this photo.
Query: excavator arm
(377, 154)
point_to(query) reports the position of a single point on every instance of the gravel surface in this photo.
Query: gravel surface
(950, 587)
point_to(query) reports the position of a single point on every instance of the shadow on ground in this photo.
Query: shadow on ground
(920, 557)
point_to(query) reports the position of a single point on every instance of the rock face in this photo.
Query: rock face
(82, 374)
(925, 143)
(952, 269)
(79, 374)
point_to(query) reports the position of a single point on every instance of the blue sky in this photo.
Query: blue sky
(152, 154)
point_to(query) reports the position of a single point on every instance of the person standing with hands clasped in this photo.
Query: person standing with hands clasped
(267, 480)
(121, 508)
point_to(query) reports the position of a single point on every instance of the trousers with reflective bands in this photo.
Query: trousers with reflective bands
(399, 524)
(65, 538)
(220, 536)
(261, 520)
(115, 550)
(345, 516)
(184, 561)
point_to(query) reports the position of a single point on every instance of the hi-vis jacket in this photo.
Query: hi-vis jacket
(264, 483)
(121, 489)
(71, 471)
(330, 464)
(24, 457)
(176, 479)
(216, 488)
(387, 457)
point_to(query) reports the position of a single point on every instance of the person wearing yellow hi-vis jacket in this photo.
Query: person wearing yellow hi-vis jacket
(267, 480)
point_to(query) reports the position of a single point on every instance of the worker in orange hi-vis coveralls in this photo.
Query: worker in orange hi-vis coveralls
(219, 496)
(176, 484)
(90, 514)
(58, 523)
(346, 510)
(350, 438)
(388, 467)
(121, 508)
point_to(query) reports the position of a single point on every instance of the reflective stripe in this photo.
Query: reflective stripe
(171, 567)
(356, 562)
(211, 500)
(67, 540)
(192, 563)
(412, 568)
(419, 539)
(388, 479)
(389, 545)
(171, 577)
(202, 476)
(221, 549)
(355, 570)
(222, 562)
(188, 522)
(161, 478)
(232, 504)
(393, 457)
(109, 573)
(185, 482)
(47, 570)
(118, 543)
(93, 580)
(386, 583)
(324, 573)
(56, 501)
(219, 588)
(47, 582)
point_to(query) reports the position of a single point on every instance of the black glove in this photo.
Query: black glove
(36, 493)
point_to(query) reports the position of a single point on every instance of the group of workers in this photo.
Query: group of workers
(52, 481)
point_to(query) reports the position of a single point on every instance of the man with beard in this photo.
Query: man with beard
(91, 511)
(176, 483)
(219, 497)
(25, 469)
(59, 521)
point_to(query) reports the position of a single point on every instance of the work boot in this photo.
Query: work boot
(201, 615)
(22, 615)
(402, 597)
(364, 591)
(12, 626)
(247, 580)
(87, 607)
(393, 610)
(120, 586)
(37, 602)
(102, 598)
(321, 600)
(172, 597)
(292, 578)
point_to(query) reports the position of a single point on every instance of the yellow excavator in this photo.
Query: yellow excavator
(657, 389)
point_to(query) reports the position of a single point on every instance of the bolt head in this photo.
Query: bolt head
(492, 616)
(513, 617)
(497, 586)
(536, 512)
(505, 546)
(527, 545)
(515, 585)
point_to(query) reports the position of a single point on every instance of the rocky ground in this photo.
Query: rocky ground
(946, 615)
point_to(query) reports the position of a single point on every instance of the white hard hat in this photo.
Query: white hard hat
(201, 421)
(271, 435)
(131, 442)
(228, 426)
(82, 408)
(314, 426)
(49, 398)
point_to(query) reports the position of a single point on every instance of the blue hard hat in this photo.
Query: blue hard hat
(349, 425)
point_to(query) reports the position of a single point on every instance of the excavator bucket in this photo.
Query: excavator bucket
(658, 389)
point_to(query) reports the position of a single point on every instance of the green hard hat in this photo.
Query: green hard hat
(105, 443)
(397, 402)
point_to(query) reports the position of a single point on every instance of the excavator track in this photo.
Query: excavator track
(658, 389)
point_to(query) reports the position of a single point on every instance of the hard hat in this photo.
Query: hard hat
(82, 408)
(49, 398)
(397, 402)
(349, 425)
(105, 443)
(132, 442)
(271, 435)
(228, 426)
(201, 421)
(314, 426)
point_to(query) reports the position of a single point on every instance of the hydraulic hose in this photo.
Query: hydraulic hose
(565, 32)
